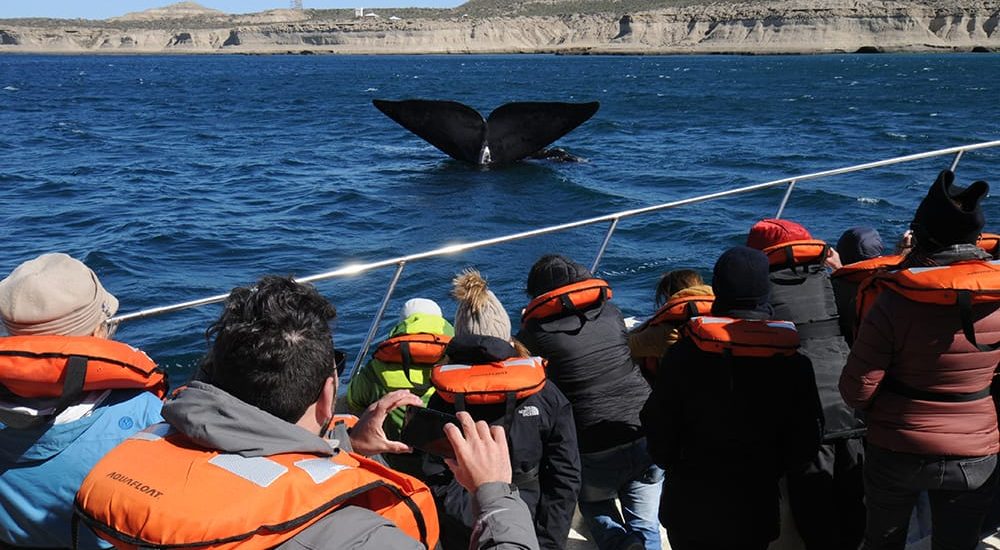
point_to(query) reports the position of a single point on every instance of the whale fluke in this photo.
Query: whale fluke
(512, 132)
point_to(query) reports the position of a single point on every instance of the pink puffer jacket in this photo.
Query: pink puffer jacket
(922, 346)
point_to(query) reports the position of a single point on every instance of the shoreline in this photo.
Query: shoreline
(778, 27)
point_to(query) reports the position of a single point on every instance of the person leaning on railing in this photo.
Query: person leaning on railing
(921, 368)
(571, 323)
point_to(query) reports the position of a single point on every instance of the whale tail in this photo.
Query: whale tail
(512, 132)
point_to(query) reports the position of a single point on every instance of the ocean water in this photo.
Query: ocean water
(177, 178)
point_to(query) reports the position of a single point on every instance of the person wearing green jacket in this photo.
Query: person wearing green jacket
(403, 361)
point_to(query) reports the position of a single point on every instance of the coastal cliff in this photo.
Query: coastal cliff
(542, 26)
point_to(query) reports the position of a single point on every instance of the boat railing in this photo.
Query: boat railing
(401, 261)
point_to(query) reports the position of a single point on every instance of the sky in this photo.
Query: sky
(102, 9)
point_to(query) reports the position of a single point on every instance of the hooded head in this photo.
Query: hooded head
(57, 295)
(479, 312)
(740, 280)
(859, 243)
(553, 271)
(949, 214)
(769, 232)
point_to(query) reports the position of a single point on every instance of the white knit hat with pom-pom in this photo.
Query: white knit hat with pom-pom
(479, 311)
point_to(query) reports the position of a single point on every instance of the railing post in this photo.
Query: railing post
(604, 245)
(954, 163)
(373, 331)
(784, 200)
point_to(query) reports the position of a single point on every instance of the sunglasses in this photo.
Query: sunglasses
(340, 361)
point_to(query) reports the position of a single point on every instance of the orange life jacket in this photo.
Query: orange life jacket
(796, 253)
(959, 284)
(990, 242)
(859, 271)
(348, 420)
(489, 383)
(159, 489)
(679, 310)
(568, 299)
(407, 349)
(743, 337)
(53, 366)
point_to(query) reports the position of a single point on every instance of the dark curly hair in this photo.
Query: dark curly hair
(273, 347)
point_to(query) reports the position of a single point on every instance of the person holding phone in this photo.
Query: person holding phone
(250, 434)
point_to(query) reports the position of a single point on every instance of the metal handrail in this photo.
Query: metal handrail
(354, 269)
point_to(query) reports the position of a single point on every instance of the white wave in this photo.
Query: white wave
(11, 88)
(869, 200)
(371, 90)
(897, 135)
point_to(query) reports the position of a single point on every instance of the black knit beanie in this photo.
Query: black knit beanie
(949, 214)
(553, 271)
(740, 280)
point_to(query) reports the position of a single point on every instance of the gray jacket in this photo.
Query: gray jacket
(214, 419)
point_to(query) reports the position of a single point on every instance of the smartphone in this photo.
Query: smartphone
(423, 429)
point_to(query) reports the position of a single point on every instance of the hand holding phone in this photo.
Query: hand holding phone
(423, 429)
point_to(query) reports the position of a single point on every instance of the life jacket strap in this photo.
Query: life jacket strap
(790, 259)
(407, 357)
(964, 299)
(692, 309)
(72, 391)
(891, 384)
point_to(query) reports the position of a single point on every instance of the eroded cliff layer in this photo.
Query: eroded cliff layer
(769, 27)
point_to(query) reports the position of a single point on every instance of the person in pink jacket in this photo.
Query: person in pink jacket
(921, 372)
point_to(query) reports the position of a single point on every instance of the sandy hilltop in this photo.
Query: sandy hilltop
(560, 26)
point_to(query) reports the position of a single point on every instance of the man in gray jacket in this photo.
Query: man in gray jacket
(268, 389)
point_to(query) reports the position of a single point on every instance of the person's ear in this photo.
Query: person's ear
(100, 331)
(324, 405)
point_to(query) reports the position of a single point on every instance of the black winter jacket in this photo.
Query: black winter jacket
(545, 461)
(725, 429)
(804, 296)
(589, 360)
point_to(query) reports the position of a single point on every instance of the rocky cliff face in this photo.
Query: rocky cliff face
(771, 27)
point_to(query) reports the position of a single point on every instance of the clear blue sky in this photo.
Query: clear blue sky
(102, 9)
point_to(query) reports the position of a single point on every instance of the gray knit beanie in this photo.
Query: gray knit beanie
(479, 311)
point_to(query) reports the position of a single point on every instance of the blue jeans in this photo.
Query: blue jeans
(960, 491)
(625, 472)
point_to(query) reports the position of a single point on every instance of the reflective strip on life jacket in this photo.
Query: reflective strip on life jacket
(678, 310)
(160, 490)
(859, 271)
(743, 337)
(568, 299)
(489, 383)
(961, 284)
(990, 242)
(39, 366)
(796, 253)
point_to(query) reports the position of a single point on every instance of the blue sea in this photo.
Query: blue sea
(178, 178)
